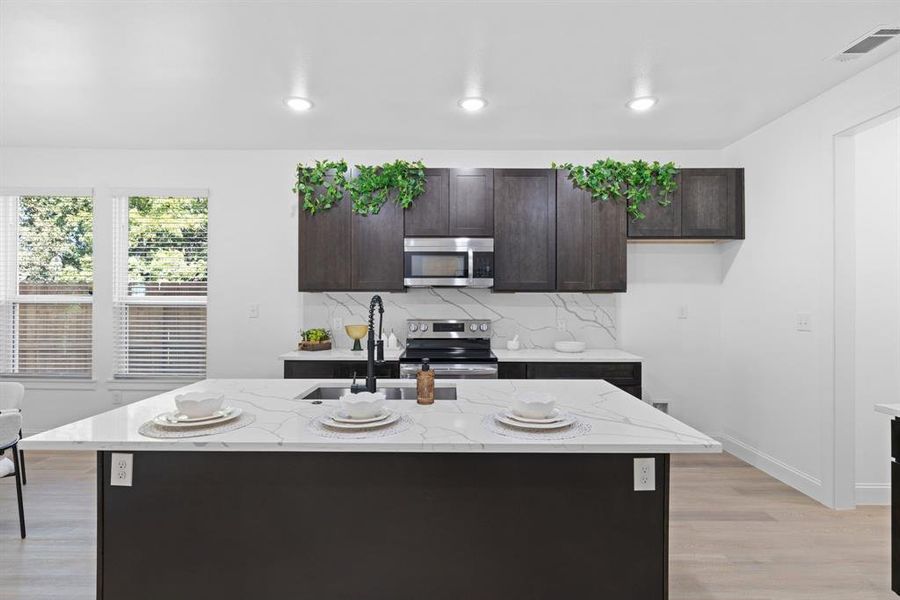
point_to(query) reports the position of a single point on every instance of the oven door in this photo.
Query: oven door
(453, 371)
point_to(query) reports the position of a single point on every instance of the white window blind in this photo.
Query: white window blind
(160, 286)
(46, 285)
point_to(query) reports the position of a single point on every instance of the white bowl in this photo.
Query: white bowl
(199, 404)
(534, 405)
(363, 405)
(569, 346)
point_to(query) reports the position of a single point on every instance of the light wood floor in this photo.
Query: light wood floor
(735, 534)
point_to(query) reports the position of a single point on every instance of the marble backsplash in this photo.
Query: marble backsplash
(539, 319)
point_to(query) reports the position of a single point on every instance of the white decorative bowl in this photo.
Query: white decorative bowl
(363, 405)
(533, 405)
(199, 404)
(569, 346)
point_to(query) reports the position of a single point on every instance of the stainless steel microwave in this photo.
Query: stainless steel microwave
(448, 262)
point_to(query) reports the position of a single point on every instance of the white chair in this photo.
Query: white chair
(11, 396)
(10, 428)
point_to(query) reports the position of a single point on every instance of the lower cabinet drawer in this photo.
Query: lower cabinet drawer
(333, 369)
(624, 373)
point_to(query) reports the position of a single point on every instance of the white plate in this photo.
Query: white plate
(564, 422)
(342, 417)
(164, 420)
(177, 417)
(555, 415)
(330, 422)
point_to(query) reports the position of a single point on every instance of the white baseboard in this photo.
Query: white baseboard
(797, 479)
(878, 494)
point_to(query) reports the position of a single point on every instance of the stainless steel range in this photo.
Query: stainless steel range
(456, 349)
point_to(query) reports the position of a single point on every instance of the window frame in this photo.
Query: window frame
(9, 284)
(120, 297)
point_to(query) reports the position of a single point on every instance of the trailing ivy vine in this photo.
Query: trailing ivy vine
(633, 182)
(330, 175)
(401, 181)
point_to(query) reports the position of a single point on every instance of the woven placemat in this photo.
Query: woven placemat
(319, 427)
(576, 429)
(151, 429)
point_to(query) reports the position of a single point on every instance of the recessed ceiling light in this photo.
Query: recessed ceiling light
(298, 104)
(472, 104)
(641, 104)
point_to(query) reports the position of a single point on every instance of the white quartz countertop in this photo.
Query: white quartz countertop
(620, 422)
(599, 355)
(888, 409)
(337, 354)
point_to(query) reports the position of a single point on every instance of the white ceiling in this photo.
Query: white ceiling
(388, 74)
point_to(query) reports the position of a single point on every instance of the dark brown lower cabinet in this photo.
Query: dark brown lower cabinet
(624, 375)
(334, 369)
(524, 230)
(435, 526)
(591, 241)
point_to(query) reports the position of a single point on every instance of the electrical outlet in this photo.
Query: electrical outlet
(121, 469)
(644, 474)
(804, 321)
(561, 325)
(337, 324)
(253, 313)
(117, 398)
(683, 312)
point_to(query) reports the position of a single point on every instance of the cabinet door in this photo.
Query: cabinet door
(377, 263)
(591, 241)
(429, 214)
(710, 203)
(660, 221)
(324, 249)
(574, 234)
(524, 230)
(471, 202)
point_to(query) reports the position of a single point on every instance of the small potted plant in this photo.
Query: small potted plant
(316, 339)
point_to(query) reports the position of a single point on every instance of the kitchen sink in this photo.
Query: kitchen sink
(391, 393)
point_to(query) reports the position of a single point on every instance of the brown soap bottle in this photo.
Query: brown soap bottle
(425, 384)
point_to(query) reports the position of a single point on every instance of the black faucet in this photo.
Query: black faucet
(372, 346)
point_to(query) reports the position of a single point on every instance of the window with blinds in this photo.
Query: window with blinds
(160, 287)
(46, 286)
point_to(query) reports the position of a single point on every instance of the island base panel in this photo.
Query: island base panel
(392, 526)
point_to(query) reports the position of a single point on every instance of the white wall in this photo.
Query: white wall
(877, 210)
(779, 407)
(252, 260)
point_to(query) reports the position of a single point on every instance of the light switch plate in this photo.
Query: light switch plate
(644, 474)
(121, 469)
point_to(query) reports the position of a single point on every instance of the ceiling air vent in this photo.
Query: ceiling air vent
(867, 43)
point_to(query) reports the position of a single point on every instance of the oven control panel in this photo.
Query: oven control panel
(452, 328)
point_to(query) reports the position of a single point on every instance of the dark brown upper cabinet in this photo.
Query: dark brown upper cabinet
(471, 202)
(712, 203)
(590, 241)
(377, 250)
(660, 221)
(709, 204)
(324, 248)
(429, 214)
(524, 230)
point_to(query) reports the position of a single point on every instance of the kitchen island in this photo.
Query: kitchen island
(444, 510)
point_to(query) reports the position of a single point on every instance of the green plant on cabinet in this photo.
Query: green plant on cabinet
(402, 181)
(633, 182)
